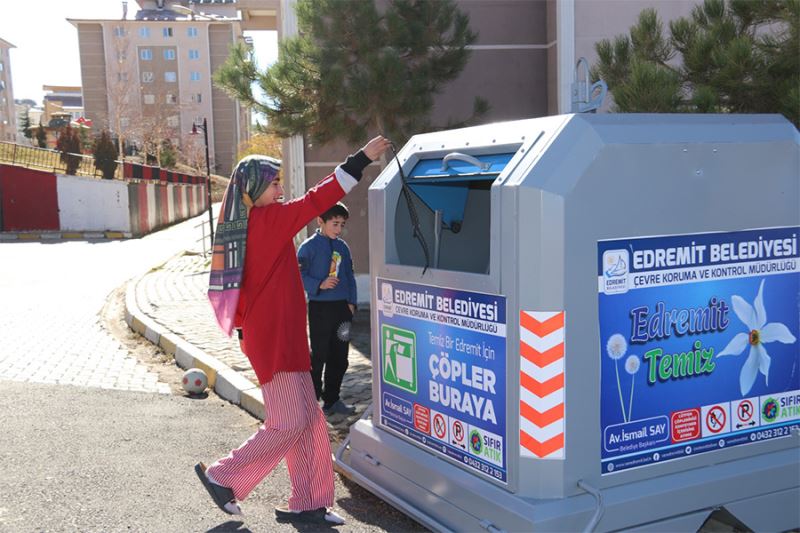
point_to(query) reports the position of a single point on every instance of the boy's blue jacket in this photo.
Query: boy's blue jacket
(315, 256)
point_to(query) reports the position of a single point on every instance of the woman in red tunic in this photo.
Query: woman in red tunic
(260, 293)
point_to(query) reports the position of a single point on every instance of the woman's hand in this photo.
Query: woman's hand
(375, 148)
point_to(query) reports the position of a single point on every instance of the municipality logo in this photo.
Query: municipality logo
(387, 302)
(615, 271)
(399, 347)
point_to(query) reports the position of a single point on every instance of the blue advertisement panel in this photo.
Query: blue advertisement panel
(698, 343)
(443, 372)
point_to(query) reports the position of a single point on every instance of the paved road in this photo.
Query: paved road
(93, 460)
(96, 435)
(51, 294)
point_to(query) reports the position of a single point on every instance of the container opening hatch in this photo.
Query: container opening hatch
(452, 198)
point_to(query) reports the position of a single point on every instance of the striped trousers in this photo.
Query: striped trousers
(294, 428)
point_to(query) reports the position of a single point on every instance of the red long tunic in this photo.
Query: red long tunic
(271, 309)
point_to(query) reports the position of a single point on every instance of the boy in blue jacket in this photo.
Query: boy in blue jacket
(327, 271)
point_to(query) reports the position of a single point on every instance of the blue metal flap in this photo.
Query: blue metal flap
(443, 184)
(455, 167)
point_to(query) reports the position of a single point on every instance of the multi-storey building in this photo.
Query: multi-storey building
(62, 99)
(8, 118)
(150, 77)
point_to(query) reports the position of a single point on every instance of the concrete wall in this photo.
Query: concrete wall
(36, 200)
(87, 204)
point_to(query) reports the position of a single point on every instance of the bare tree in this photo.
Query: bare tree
(123, 87)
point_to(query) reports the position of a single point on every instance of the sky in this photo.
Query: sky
(46, 50)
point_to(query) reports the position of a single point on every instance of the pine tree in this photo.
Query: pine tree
(354, 71)
(25, 124)
(69, 144)
(41, 136)
(168, 156)
(736, 56)
(105, 155)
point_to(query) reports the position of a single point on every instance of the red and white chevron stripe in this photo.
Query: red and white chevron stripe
(541, 384)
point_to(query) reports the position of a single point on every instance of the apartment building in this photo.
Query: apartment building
(62, 99)
(8, 116)
(150, 77)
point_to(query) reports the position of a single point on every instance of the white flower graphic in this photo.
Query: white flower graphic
(755, 320)
(632, 364)
(616, 346)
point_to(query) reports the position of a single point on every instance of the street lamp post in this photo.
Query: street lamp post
(204, 127)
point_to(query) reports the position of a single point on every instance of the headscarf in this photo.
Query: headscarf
(248, 181)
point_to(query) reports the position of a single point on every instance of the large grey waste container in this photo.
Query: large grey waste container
(600, 329)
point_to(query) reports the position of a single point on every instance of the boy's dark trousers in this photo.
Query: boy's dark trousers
(329, 330)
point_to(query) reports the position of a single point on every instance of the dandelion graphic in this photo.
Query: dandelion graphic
(755, 320)
(631, 367)
(616, 348)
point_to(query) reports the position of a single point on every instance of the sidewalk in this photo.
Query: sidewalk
(168, 305)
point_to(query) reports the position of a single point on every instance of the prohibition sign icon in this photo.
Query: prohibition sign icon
(439, 426)
(458, 431)
(745, 410)
(715, 419)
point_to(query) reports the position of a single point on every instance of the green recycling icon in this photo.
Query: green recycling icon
(399, 347)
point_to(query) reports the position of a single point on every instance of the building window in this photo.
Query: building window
(124, 122)
(173, 121)
(170, 77)
(197, 98)
(146, 54)
(194, 76)
(122, 76)
(147, 77)
(170, 99)
(2, 67)
(144, 32)
(191, 31)
(149, 99)
(167, 32)
(169, 54)
(193, 54)
(119, 31)
(122, 55)
(2, 85)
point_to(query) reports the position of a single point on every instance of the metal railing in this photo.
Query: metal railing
(49, 160)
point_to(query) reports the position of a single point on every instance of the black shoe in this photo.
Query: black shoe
(338, 408)
(222, 496)
(314, 516)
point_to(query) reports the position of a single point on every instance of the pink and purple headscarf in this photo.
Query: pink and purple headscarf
(249, 180)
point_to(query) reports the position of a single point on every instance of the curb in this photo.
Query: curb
(55, 235)
(225, 382)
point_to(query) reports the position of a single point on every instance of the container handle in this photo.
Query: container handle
(465, 158)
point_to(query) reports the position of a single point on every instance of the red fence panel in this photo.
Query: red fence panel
(29, 199)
